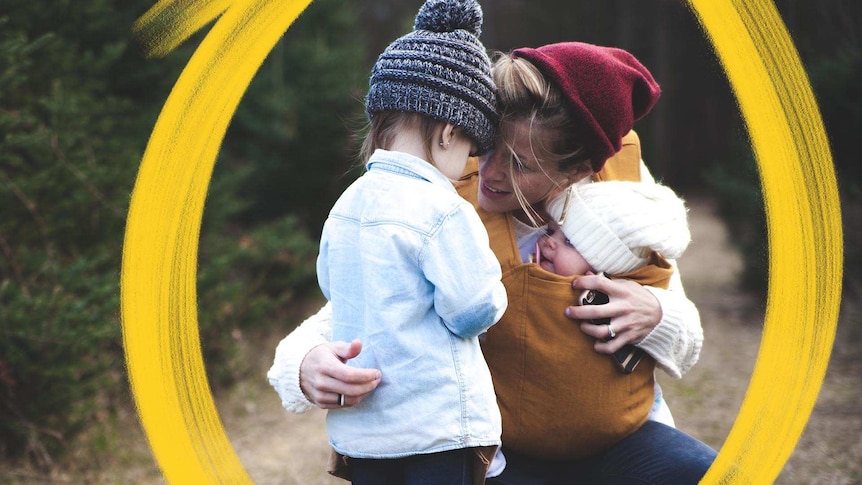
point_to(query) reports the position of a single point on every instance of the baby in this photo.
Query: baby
(623, 229)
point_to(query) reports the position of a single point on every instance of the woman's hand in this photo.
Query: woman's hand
(633, 310)
(324, 377)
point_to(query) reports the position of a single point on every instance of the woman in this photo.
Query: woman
(565, 110)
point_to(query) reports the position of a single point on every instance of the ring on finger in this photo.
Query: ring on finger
(341, 400)
(611, 334)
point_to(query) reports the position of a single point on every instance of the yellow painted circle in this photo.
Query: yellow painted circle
(159, 313)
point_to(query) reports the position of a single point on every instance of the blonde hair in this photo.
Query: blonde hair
(383, 128)
(524, 95)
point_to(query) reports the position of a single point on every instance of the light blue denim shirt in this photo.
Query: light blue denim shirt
(407, 265)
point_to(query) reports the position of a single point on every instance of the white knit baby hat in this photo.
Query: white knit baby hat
(615, 225)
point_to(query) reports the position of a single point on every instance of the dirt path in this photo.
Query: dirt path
(280, 448)
(277, 447)
(706, 400)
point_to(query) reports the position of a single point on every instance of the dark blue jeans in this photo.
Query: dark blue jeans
(447, 467)
(653, 455)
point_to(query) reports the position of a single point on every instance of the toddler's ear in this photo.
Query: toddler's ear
(447, 134)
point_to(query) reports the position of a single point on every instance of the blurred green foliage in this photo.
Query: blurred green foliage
(77, 103)
(736, 185)
(301, 107)
(836, 79)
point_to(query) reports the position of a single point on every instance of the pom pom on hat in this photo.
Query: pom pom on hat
(606, 89)
(616, 225)
(448, 16)
(440, 70)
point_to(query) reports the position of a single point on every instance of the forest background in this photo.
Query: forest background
(78, 100)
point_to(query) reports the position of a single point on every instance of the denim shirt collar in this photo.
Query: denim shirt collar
(407, 165)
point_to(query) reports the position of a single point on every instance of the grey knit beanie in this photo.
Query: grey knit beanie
(440, 70)
(615, 225)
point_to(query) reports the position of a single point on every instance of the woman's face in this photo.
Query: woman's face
(501, 171)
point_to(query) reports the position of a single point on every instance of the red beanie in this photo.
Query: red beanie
(607, 90)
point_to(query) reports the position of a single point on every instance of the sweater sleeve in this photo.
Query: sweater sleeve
(675, 343)
(289, 354)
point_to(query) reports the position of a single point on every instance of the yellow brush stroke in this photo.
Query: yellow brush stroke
(159, 259)
(805, 241)
(159, 312)
(170, 22)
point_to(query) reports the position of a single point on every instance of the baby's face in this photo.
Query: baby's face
(557, 254)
